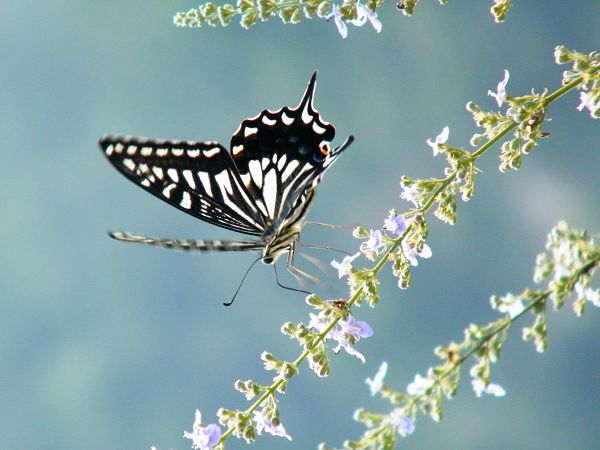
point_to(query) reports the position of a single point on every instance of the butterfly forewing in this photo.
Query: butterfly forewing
(199, 178)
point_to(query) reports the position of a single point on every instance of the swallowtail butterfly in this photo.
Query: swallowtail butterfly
(263, 186)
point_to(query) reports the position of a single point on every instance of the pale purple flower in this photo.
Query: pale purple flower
(345, 266)
(356, 328)
(402, 422)
(440, 139)
(419, 385)
(492, 388)
(262, 423)
(588, 101)
(339, 22)
(362, 14)
(500, 94)
(376, 383)
(589, 294)
(345, 329)
(395, 223)
(373, 243)
(204, 437)
(411, 253)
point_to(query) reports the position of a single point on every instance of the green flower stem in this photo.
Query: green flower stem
(425, 208)
(540, 298)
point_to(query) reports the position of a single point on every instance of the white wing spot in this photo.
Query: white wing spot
(129, 164)
(306, 116)
(177, 152)
(173, 175)
(212, 152)
(256, 172)
(237, 149)
(205, 180)
(193, 153)
(281, 162)
(317, 128)
(274, 158)
(189, 177)
(167, 191)
(109, 150)
(162, 152)
(145, 182)
(186, 201)
(119, 147)
(287, 119)
(289, 169)
(270, 191)
(146, 151)
(268, 121)
(224, 182)
(265, 163)
(158, 172)
(249, 131)
(261, 206)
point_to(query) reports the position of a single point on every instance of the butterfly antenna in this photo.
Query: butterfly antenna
(287, 287)
(230, 302)
(324, 247)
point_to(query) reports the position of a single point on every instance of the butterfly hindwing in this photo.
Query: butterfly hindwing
(198, 178)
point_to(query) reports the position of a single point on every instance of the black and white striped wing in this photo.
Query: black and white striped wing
(198, 178)
(281, 155)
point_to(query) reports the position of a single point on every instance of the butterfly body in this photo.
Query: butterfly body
(264, 186)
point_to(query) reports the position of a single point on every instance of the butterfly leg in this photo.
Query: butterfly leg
(298, 273)
(329, 225)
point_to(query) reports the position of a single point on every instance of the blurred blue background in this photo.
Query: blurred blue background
(105, 345)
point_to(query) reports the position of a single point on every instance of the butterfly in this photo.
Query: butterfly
(263, 186)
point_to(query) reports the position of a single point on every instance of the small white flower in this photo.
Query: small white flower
(411, 254)
(410, 193)
(264, 424)
(362, 14)
(439, 140)
(419, 386)
(402, 422)
(345, 266)
(492, 389)
(376, 383)
(339, 22)
(591, 295)
(318, 322)
(512, 308)
(587, 101)
(500, 94)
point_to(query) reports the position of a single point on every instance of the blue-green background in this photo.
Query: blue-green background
(104, 345)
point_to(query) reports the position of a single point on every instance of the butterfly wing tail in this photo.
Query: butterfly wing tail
(187, 244)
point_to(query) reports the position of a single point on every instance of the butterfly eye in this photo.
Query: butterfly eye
(324, 149)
